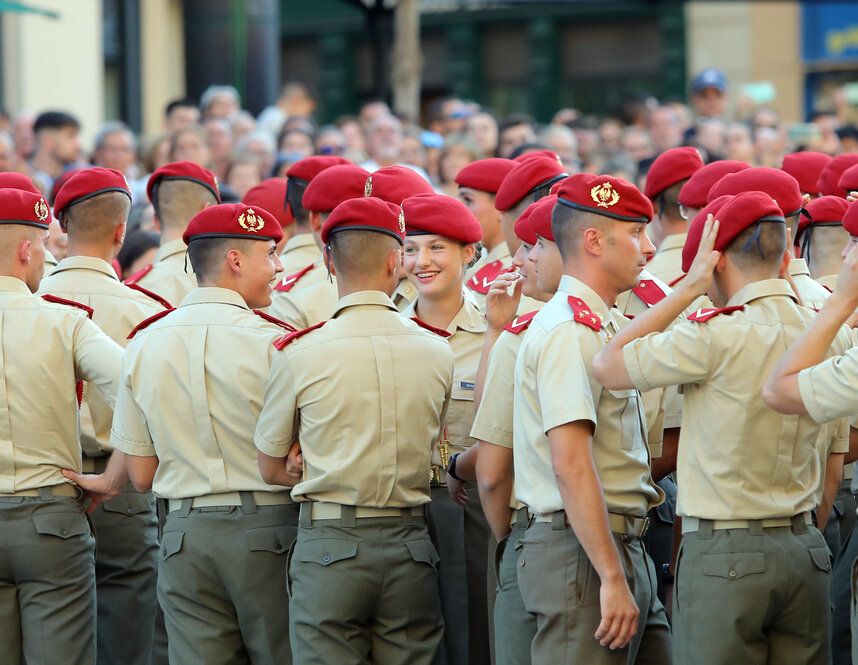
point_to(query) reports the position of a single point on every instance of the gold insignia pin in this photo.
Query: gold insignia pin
(367, 188)
(41, 209)
(605, 195)
(250, 221)
(401, 218)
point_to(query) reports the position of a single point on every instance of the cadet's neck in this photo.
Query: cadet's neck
(105, 251)
(169, 235)
(441, 310)
(672, 227)
(593, 276)
(346, 286)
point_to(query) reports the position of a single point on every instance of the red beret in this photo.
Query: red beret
(806, 167)
(13, 180)
(333, 186)
(527, 176)
(87, 183)
(606, 195)
(829, 179)
(695, 192)
(233, 220)
(695, 230)
(59, 182)
(442, 215)
(779, 185)
(671, 167)
(540, 216)
(183, 171)
(394, 184)
(523, 228)
(366, 214)
(850, 219)
(270, 195)
(849, 180)
(550, 154)
(823, 210)
(21, 207)
(485, 175)
(308, 168)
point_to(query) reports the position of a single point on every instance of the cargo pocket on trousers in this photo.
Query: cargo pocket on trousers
(171, 543)
(61, 525)
(821, 558)
(423, 551)
(325, 551)
(274, 539)
(129, 503)
(734, 565)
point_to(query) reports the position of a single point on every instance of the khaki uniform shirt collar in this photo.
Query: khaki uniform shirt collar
(170, 248)
(469, 318)
(761, 289)
(214, 294)
(798, 267)
(14, 285)
(498, 252)
(298, 241)
(575, 287)
(373, 299)
(86, 263)
(675, 241)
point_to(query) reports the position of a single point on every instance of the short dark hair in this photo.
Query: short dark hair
(567, 224)
(515, 120)
(359, 253)
(206, 254)
(667, 203)
(184, 102)
(136, 245)
(55, 120)
(761, 245)
(295, 189)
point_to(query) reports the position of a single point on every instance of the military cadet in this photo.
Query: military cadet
(270, 195)
(478, 183)
(187, 407)
(580, 453)
(665, 178)
(784, 189)
(441, 234)
(806, 167)
(310, 296)
(828, 183)
(745, 495)
(177, 191)
(47, 571)
(821, 237)
(13, 180)
(366, 394)
(93, 207)
(394, 184)
(529, 181)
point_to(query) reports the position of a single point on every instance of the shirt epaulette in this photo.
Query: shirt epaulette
(584, 314)
(482, 280)
(520, 323)
(286, 284)
(430, 328)
(71, 303)
(137, 276)
(649, 291)
(145, 323)
(704, 314)
(277, 322)
(282, 342)
(151, 294)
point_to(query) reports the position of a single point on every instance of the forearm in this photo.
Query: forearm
(467, 464)
(274, 470)
(666, 464)
(116, 473)
(494, 482)
(833, 476)
(852, 455)
(142, 470)
(490, 338)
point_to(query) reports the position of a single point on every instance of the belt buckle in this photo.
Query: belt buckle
(646, 524)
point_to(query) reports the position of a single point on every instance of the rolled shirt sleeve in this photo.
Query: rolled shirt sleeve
(828, 390)
(679, 356)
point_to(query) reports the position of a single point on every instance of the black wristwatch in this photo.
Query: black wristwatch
(451, 468)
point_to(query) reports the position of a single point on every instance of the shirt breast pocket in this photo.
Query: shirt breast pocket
(460, 415)
(632, 423)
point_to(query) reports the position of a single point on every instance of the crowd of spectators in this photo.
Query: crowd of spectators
(243, 150)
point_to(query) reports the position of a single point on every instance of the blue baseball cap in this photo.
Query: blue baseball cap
(709, 78)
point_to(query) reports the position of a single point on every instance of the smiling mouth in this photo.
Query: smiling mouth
(427, 276)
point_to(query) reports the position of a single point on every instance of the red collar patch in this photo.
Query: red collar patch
(70, 303)
(273, 319)
(282, 342)
(430, 328)
(649, 291)
(704, 314)
(285, 285)
(585, 315)
(145, 323)
(521, 323)
(482, 280)
(158, 299)
(137, 276)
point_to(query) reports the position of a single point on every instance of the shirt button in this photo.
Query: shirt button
(732, 574)
(326, 558)
(64, 532)
(471, 324)
(276, 544)
(129, 510)
(521, 562)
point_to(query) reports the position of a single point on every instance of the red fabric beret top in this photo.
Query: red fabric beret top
(485, 175)
(523, 228)
(366, 214)
(669, 168)
(438, 214)
(20, 207)
(270, 195)
(527, 176)
(394, 184)
(183, 171)
(695, 230)
(13, 180)
(829, 178)
(850, 219)
(538, 153)
(308, 168)
(333, 186)
(87, 183)
(779, 185)
(848, 181)
(540, 217)
(824, 210)
(806, 167)
(695, 192)
(606, 195)
(233, 220)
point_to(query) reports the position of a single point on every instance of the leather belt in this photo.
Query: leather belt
(691, 524)
(232, 499)
(322, 510)
(624, 525)
(519, 516)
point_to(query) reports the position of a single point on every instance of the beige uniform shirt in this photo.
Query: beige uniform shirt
(46, 349)
(306, 306)
(554, 386)
(811, 292)
(365, 395)
(170, 277)
(499, 253)
(666, 265)
(828, 282)
(191, 393)
(738, 459)
(404, 294)
(50, 263)
(467, 334)
(116, 310)
(299, 252)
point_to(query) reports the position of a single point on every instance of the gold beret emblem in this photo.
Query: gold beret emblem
(605, 195)
(250, 221)
(367, 188)
(401, 221)
(41, 210)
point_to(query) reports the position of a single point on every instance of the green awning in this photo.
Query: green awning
(24, 8)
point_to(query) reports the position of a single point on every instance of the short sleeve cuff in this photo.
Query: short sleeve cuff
(807, 391)
(492, 435)
(271, 449)
(655, 450)
(134, 448)
(841, 446)
(633, 367)
(552, 420)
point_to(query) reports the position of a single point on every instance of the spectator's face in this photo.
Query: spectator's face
(385, 140)
(7, 156)
(566, 149)
(412, 152)
(243, 177)
(182, 117)
(588, 142)
(117, 152)
(712, 137)
(611, 135)
(298, 144)
(709, 102)
(455, 115)
(22, 132)
(515, 136)
(222, 106)
(220, 140)
(739, 145)
(665, 130)
(637, 145)
(372, 112)
(259, 149)
(242, 125)
(331, 143)
(66, 144)
(483, 130)
(57, 242)
(354, 137)
(190, 146)
(455, 158)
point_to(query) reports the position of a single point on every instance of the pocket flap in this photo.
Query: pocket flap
(325, 551)
(61, 525)
(275, 539)
(463, 390)
(423, 551)
(734, 565)
(821, 557)
(129, 503)
(171, 543)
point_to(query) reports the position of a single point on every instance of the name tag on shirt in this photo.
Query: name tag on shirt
(466, 385)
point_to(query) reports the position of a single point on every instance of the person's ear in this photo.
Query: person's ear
(592, 241)
(234, 260)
